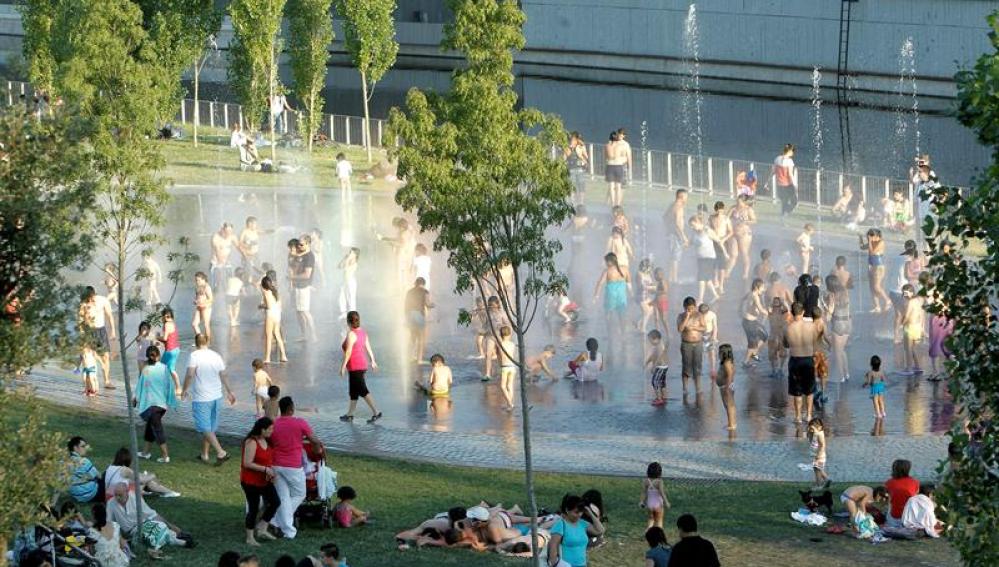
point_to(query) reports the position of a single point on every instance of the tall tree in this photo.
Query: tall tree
(963, 289)
(185, 31)
(45, 189)
(255, 49)
(310, 27)
(36, 21)
(369, 36)
(487, 188)
(111, 73)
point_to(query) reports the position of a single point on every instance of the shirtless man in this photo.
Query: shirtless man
(753, 315)
(249, 247)
(618, 154)
(676, 239)
(691, 328)
(223, 242)
(800, 339)
(779, 290)
(842, 274)
(720, 222)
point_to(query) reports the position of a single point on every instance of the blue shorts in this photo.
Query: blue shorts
(169, 359)
(206, 415)
(524, 529)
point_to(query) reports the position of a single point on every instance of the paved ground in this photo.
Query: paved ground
(602, 427)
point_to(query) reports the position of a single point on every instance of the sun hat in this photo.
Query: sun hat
(477, 513)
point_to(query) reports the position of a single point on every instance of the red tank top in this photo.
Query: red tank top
(358, 359)
(264, 457)
(172, 340)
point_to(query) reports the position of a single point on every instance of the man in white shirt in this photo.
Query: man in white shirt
(920, 512)
(96, 317)
(279, 103)
(203, 384)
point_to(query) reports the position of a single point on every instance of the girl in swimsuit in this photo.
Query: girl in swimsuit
(202, 305)
(616, 283)
(743, 218)
(272, 320)
(646, 294)
(654, 495)
(618, 245)
(875, 246)
(725, 381)
(661, 301)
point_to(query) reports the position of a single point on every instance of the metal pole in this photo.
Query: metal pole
(648, 167)
(211, 113)
(591, 161)
(669, 169)
(818, 189)
(731, 177)
(863, 190)
(346, 122)
(332, 136)
(225, 115)
(380, 143)
(690, 172)
(711, 177)
(183, 112)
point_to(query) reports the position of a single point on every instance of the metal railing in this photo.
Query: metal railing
(657, 168)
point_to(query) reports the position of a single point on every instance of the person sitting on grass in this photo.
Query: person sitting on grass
(229, 559)
(659, 550)
(920, 512)
(121, 471)
(331, 556)
(86, 481)
(155, 530)
(572, 532)
(345, 514)
(692, 550)
(438, 524)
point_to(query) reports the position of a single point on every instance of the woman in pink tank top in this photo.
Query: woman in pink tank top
(356, 352)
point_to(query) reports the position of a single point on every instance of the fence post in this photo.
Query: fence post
(731, 177)
(211, 113)
(669, 169)
(183, 111)
(332, 136)
(225, 114)
(241, 124)
(887, 194)
(690, 172)
(648, 167)
(818, 189)
(711, 177)
(10, 94)
(863, 189)
(346, 123)
(380, 142)
(840, 186)
(591, 160)
(773, 190)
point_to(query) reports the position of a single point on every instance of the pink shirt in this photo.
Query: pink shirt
(286, 440)
(358, 355)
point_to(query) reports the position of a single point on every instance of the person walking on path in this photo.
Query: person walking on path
(155, 393)
(97, 320)
(356, 353)
(203, 385)
(289, 476)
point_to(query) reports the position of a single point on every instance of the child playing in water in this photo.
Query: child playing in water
(587, 365)
(775, 343)
(620, 221)
(764, 268)
(343, 172)
(538, 364)
(480, 325)
(658, 362)
(913, 325)
(661, 300)
(506, 351)
(805, 247)
(438, 384)
(261, 384)
(87, 366)
(494, 318)
(710, 337)
(875, 380)
(202, 305)
(233, 291)
(153, 279)
(940, 329)
(271, 408)
(817, 449)
(344, 513)
(654, 495)
(142, 343)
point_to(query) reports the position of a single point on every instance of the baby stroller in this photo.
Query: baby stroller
(67, 547)
(320, 488)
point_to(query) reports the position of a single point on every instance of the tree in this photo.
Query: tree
(369, 37)
(45, 189)
(489, 189)
(185, 31)
(111, 73)
(256, 44)
(36, 21)
(963, 285)
(311, 31)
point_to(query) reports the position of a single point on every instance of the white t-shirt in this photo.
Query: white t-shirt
(233, 286)
(208, 366)
(97, 311)
(237, 140)
(344, 169)
(277, 105)
(421, 265)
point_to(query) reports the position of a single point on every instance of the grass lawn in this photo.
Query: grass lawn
(748, 522)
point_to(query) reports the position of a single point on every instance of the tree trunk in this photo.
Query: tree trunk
(366, 133)
(525, 409)
(270, 109)
(132, 435)
(197, 110)
(310, 120)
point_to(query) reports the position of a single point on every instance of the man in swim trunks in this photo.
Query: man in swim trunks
(417, 306)
(223, 242)
(690, 325)
(676, 239)
(800, 337)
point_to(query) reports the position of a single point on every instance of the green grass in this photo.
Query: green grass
(748, 522)
(213, 162)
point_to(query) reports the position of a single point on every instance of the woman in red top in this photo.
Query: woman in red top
(170, 338)
(901, 487)
(256, 477)
(356, 352)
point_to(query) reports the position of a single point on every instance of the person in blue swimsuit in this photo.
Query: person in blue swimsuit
(616, 284)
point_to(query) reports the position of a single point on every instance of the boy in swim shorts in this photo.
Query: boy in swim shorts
(658, 362)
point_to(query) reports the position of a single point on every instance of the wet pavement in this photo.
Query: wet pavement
(607, 426)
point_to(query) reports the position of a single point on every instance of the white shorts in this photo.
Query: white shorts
(262, 392)
(303, 299)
